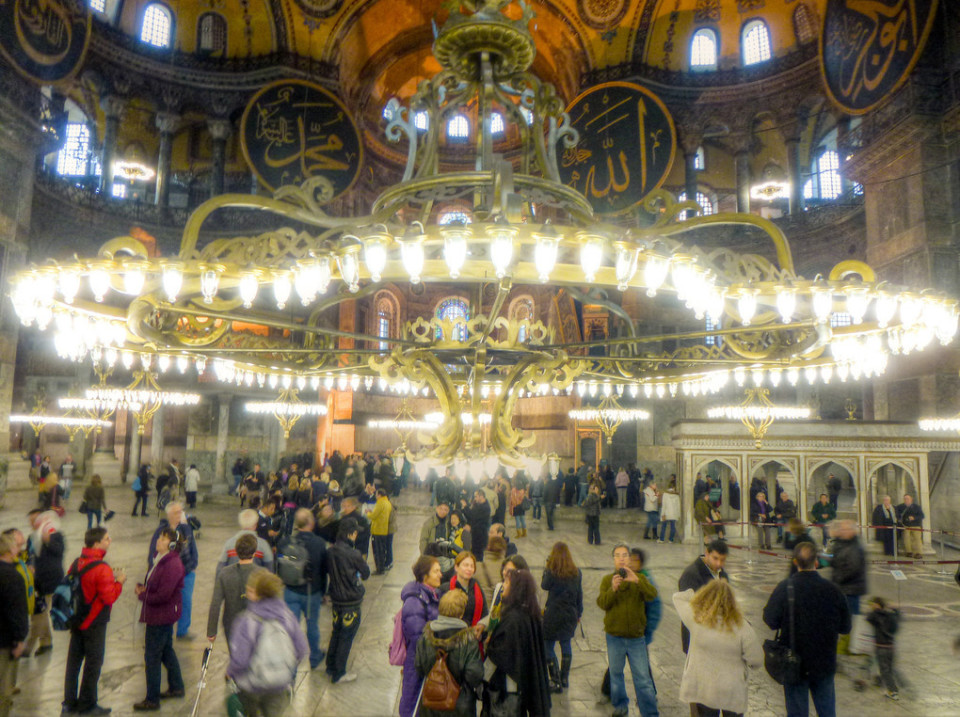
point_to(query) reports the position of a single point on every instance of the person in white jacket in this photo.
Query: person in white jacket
(722, 647)
(669, 511)
(191, 484)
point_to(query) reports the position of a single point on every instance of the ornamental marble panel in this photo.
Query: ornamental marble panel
(734, 461)
(791, 463)
(910, 464)
(707, 11)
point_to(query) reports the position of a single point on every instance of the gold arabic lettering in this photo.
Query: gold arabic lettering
(44, 29)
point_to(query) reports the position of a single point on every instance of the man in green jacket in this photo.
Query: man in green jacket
(623, 597)
(822, 513)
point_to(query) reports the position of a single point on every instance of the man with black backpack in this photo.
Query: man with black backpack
(99, 588)
(302, 565)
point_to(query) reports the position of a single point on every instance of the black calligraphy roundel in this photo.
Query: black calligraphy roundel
(626, 147)
(45, 41)
(868, 49)
(293, 130)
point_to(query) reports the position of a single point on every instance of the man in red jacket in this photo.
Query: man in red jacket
(101, 588)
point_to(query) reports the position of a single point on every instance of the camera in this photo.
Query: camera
(622, 572)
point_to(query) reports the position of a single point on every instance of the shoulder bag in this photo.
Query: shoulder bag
(782, 661)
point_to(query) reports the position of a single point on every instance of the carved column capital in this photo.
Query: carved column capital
(690, 140)
(113, 106)
(167, 122)
(220, 129)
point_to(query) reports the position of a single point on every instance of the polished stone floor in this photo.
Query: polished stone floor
(930, 601)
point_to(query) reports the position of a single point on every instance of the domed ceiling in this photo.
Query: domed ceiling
(383, 47)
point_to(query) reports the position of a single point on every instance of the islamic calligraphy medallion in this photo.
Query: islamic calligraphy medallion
(868, 49)
(46, 41)
(319, 8)
(626, 148)
(601, 14)
(293, 130)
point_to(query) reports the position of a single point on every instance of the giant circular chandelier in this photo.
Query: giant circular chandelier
(527, 228)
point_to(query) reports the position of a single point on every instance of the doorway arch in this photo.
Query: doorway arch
(731, 500)
(848, 501)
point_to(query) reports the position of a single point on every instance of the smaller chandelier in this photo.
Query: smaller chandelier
(609, 415)
(402, 425)
(757, 413)
(39, 421)
(287, 409)
(940, 424)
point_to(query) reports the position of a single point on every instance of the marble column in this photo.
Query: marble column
(167, 123)
(794, 174)
(133, 465)
(112, 111)
(220, 130)
(156, 441)
(220, 482)
(742, 159)
(690, 173)
(278, 444)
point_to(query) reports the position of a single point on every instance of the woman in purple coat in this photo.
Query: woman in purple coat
(420, 606)
(160, 595)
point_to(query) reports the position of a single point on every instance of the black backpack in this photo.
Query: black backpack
(68, 609)
(293, 563)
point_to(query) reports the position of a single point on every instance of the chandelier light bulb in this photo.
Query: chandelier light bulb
(99, 283)
(349, 270)
(857, 302)
(281, 289)
(655, 271)
(885, 307)
(182, 363)
(201, 364)
(304, 282)
(716, 301)
(455, 250)
(775, 375)
(501, 249)
(822, 304)
(747, 306)
(786, 304)
(545, 255)
(793, 375)
(248, 289)
(133, 281)
(625, 265)
(209, 283)
(163, 361)
(740, 375)
(322, 273)
(412, 257)
(810, 373)
(591, 256)
(172, 280)
(375, 257)
(69, 282)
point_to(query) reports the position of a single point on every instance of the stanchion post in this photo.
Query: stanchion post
(941, 568)
(749, 546)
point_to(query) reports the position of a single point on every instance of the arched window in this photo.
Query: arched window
(804, 24)
(421, 120)
(522, 309)
(76, 159)
(458, 128)
(157, 26)
(98, 5)
(496, 124)
(703, 50)
(829, 182)
(386, 318)
(710, 325)
(840, 318)
(454, 215)
(706, 204)
(700, 159)
(212, 34)
(755, 41)
(453, 309)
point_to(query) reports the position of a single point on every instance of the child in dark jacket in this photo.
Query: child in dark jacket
(591, 509)
(885, 621)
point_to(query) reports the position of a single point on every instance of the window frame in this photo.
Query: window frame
(214, 17)
(426, 120)
(462, 123)
(502, 130)
(747, 29)
(701, 195)
(809, 18)
(715, 38)
(171, 18)
(84, 139)
(459, 330)
(831, 173)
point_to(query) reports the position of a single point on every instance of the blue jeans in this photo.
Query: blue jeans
(157, 651)
(824, 698)
(565, 648)
(653, 519)
(663, 529)
(582, 490)
(619, 651)
(183, 624)
(521, 520)
(90, 516)
(537, 508)
(309, 606)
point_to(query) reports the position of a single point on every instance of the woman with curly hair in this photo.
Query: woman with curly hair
(722, 646)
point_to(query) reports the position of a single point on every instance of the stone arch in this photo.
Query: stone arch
(904, 480)
(386, 307)
(843, 468)
(771, 481)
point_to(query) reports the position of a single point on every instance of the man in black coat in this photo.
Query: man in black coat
(551, 496)
(45, 550)
(707, 567)
(820, 616)
(477, 515)
(308, 597)
(346, 570)
(849, 564)
(834, 486)
(14, 621)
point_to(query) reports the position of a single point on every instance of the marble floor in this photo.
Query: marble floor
(930, 601)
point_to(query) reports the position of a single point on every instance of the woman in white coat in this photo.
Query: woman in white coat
(669, 512)
(723, 647)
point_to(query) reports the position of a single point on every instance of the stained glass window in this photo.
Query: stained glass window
(453, 309)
